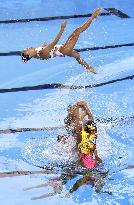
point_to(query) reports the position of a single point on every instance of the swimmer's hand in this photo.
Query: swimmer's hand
(63, 25)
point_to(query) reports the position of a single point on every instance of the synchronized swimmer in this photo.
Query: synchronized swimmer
(80, 125)
(45, 52)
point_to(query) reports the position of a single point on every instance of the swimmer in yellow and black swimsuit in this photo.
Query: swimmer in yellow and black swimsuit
(87, 146)
(85, 133)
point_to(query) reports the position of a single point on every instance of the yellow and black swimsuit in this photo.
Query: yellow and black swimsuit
(88, 142)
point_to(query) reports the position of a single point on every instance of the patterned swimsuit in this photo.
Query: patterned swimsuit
(53, 53)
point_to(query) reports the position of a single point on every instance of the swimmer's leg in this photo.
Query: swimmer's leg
(76, 55)
(71, 41)
(84, 106)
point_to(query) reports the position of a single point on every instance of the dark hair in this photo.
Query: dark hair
(90, 123)
(25, 57)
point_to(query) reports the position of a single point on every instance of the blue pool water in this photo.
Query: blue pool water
(114, 182)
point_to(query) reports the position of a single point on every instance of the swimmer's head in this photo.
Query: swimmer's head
(25, 58)
(27, 54)
(90, 126)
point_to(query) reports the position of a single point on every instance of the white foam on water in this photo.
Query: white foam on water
(49, 151)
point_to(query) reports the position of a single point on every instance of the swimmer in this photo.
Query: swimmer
(45, 52)
(80, 124)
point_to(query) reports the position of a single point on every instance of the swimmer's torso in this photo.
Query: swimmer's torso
(53, 53)
(88, 143)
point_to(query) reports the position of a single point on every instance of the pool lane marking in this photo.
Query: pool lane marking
(111, 11)
(122, 119)
(117, 12)
(18, 53)
(62, 86)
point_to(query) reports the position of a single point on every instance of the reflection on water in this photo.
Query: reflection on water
(71, 181)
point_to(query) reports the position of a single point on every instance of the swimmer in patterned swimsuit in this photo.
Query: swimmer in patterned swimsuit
(52, 50)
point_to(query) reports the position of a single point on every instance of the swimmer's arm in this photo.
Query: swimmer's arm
(69, 117)
(55, 41)
(78, 125)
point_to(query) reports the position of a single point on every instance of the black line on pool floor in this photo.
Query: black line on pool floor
(9, 131)
(104, 47)
(18, 53)
(49, 18)
(111, 11)
(122, 119)
(117, 12)
(62, 86)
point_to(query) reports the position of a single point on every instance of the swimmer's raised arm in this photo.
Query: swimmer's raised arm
(55, 41)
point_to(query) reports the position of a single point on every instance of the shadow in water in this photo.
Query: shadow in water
(70, 181)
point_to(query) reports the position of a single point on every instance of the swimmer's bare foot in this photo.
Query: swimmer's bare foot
(96, 12)
(91, 69)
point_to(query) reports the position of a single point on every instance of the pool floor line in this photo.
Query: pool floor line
(51, 18)
(62, 86)
(51, 171)
(111, 11)
(18, 53)
(24, 172)
(14, 130)
(117, 12)
(100, 120)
